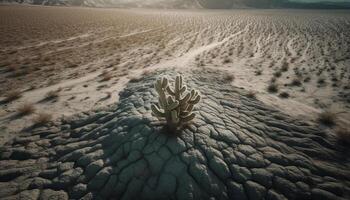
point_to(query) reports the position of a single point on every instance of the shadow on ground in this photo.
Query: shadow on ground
(236, 148)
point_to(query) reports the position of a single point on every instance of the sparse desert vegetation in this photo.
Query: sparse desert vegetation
(284, 95)
(42, 118)
(265, 115)
(272, 88)
(25, 109)
(327, 118)
(106, 76)
(12, 95)
(251, 94)
(229, 78)
(343, 134)
(53, 94)
(296, 82)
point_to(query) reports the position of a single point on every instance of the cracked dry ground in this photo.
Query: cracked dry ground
(236, 148)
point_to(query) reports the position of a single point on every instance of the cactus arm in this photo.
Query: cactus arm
(170, 91)
(158, 85)
(171, 100)
(162, 99)
(186, 98)
(188, 117)
(183, 89)
(193, 92)
(161, 84)
(184, 113)
(184, 106)
(156, 111)
(177, 87)
(190, 108)
(161, 105)
(173, 105)
(196, 100)
(175, 119)
(164, 83)
(180, 77)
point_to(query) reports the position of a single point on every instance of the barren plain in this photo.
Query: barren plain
(76, 89)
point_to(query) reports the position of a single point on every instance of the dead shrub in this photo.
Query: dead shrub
(327, 118)
(25, 109)
(42, 119)
(12, 95)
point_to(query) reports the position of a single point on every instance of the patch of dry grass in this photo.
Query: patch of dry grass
(106, 76)
(296, 82)
(12, 95)
(227, 60)
(42, 119)
(343, 134)
(108, 95)
(251, 94)
(146, 72)
(52, 94)
(229, 78)
(272, 88)
(284, 95)
(277, 74)
(284, 67)
(327, 118)
(134, 79)
(258, 72)
(25, 109)
(321, 80)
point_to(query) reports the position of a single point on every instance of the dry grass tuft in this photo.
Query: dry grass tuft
(146, 72)
(108, 95)
(12, 95)
(251, 94)
(321, 81)
(54, 94)
(284, 67)
(258, 72)
(307, 79)
(327, 118)
(277, 74)
(12, 68)
(42, 119)
(229, 78)
(25, 109)
(106, 76)
(227, 60)
(272, 88)
(296, 82)
(343, 134)
(284, 95)
(134, 79)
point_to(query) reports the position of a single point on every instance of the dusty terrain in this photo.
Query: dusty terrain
(93, 70)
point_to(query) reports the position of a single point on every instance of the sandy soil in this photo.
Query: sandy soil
(89, 55)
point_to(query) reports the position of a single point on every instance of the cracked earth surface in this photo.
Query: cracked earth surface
(236, 148)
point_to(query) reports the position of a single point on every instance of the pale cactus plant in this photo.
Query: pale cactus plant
(175, 105)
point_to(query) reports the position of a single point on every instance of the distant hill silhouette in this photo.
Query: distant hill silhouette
(210, 4)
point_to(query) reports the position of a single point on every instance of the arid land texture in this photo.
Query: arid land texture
(76, 87)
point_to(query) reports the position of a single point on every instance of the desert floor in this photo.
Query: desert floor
(266, 78)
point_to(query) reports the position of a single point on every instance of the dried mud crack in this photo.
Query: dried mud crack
(236, 148)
